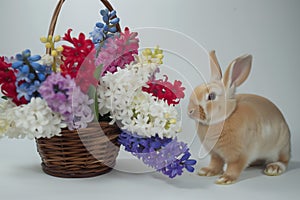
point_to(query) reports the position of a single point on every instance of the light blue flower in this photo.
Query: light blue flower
(105, 29)
(35, 86)
(97, 35)
(23, 74)
(29, 70)
(25, 91)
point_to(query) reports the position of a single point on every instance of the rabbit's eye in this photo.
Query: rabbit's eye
(212, 96)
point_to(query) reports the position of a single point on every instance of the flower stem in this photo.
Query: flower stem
(31, 69)
(92, 93)
(54, 65)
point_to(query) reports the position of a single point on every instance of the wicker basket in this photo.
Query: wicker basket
(82, 153)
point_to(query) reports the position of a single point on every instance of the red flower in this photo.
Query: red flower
(162, 89)
(85, 76)
(8, 82)
(78, 61)
(74, 56)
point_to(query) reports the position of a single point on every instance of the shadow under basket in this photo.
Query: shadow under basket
(83, 153)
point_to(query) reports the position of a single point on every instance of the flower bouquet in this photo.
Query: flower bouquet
(82, 100)
(52, 98)
(144, 106)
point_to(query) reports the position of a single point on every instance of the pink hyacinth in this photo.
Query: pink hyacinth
(118, 51)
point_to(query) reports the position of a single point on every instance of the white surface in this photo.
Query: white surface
(22, 178)
(267, 29)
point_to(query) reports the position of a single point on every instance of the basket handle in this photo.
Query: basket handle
(58, 9)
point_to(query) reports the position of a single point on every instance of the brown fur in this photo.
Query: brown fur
(238, 129)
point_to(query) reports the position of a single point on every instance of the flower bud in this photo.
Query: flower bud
(50, 37)
(59, 49)
(57, 38)
(159, 56)
(54, 53)
(173, 121)
(147, 52)
(43, 39)
(48, 45)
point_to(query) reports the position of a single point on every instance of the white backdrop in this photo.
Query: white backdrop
(268, 29)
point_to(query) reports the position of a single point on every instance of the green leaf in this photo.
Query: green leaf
(92, 93)
(96, 107)
(97, 72)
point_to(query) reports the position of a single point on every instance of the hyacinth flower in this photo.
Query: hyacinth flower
(176, 167)
(165, 90)
(8, 82)
(65, 97)
(166, 155)
(79, 60)
(55, 51)
(137, 144)
(105, 29)
(156, 56)
(148, 117)
(30, 74)
(118, 51)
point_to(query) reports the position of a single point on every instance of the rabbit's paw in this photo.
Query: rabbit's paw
(274, 169)
(206, 171)
(226, 180)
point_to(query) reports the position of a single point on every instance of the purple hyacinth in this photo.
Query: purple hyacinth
(138, 144)
(57, 91)
(177, 166)
(64, 97)
(82, 113)
(163, 154)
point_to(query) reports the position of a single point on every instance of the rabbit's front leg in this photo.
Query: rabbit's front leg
(233, 171)
(215, 166)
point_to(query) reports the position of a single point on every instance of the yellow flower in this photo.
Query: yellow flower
(57, 38)
(173, 121)
(50, 37)
(155, 56)
(55, 51)
(59, 49)
(43, 39)
(48, 45)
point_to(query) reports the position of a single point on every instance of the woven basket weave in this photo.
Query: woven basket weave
(81, 153)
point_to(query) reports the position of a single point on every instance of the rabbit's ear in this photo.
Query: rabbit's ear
(238, 71)
(215, 70)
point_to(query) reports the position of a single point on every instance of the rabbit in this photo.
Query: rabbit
(238, 129)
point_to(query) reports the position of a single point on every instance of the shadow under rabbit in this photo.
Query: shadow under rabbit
(257, 171)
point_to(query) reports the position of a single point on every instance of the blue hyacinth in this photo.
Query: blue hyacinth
(177, 166)
(105, 29)
(166, 155)
(137, 144)
(30, 74)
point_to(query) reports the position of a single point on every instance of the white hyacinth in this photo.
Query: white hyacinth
(139, 112)
(116, 90)
(46, 60)
(152, 116)
(33, 120)
(6, 119)
(38, 120)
